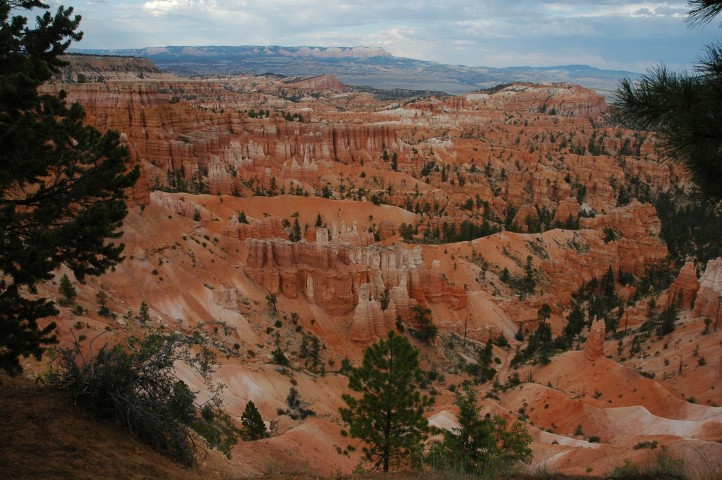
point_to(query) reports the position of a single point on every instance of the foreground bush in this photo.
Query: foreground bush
(484, 447)
(135, 385)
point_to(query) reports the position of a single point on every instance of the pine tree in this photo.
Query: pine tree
(296, 234)
(61, 183)
(253, 426)
(67, 289)
(427, 330)
(486, 360)
(683, 109)
(144, 313)
(544, 313)
(389, 414)
(481, 446)
(575, 322)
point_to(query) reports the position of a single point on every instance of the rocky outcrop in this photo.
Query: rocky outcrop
(323, 273)
(327, 83)
(286, 255)
(684, 289)
(429, 286)
(556, 99)
(588, 254)
(362, 324)
(266, 228)
(636, 220)
(566, 210)
(350, 235)
(709, 295)
(524, 214)
(228, 298)
(386, 229)
(178, 205)
(103, 68)
(341, 279)
(369, 320)
(594, 346)
(170, 124)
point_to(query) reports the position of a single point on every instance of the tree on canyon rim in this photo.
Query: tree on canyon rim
(683, 108)
(61, 183)
(389, 414)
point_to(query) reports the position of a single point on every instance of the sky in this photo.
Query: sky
(610, 34)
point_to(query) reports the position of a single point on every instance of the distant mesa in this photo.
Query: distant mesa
(362, 66)
(336, 52)
(219, 52)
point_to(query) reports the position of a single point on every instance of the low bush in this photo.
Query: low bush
(134, 384)
(662, 467)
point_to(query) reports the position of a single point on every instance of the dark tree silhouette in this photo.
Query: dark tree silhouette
(253, 426)
(61, 183)
(683, 108)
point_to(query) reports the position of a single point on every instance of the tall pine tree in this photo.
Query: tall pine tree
(389, 414)
(253, 426)
(61, 183)
(683, 109)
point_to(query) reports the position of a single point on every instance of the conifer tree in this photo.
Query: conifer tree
(481, 446)
(67, 289)
(427, 331)
(389, 414)
(144, 313)
(253, 426)
(296, 235)
(61, 183)
(544, 313)
(683, 109)
(486, 360)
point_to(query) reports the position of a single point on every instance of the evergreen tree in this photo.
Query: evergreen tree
(296, 231)
(607, 283)
(253, 426)
(481, 446)
(486, 360)
(683, 108)
(61, 183)
(389, 414)
(575, 322)
(544, 313)
(427, 330)
(144, 312)
(67, 289)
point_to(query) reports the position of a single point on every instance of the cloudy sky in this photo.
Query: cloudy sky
(613, 34)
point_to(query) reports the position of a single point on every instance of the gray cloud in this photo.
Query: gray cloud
(610, 34)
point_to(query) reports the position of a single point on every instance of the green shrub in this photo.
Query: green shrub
(279, 357)
(134, 384)
(663, 466)
(480, 446)
(648, 444)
